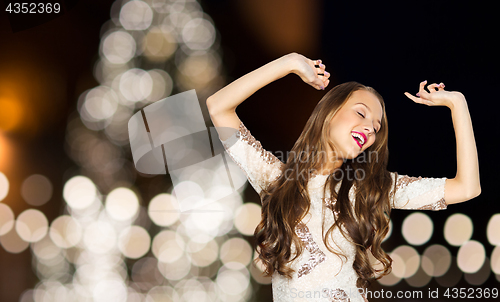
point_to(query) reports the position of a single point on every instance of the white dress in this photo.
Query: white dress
(319, 274)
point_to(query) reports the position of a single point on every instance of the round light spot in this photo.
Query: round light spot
(136, 85)
(36, 190)
(100, 103)
(410, 258)
(175, 270)
(118, 47)
(32, 225)
(162, 294)
(122, 204)
(202, 254)
(233, 282)
(168, 246)
(45, 249)
(163, 209)
(134, 242)
(99, 237)
(197, 290)
(495, 260)
(236, 250)
(4, 186)
(27, 296)
(471, 256)
(12, 243)
(79, 192)
(136, 15)
(110, 291)
(6, 219)
(198, 70)
(159, 43)
(65, 232)
(198, 34)
(493, 230)
(436, 260)
(247, 217)
(458, 229)
(209, 222)
(417, 228)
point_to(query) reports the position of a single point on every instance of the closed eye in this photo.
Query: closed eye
(376, 131)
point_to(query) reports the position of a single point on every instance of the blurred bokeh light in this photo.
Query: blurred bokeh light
(36, 190)
(471, 256)
(417, 228)
(458, 229)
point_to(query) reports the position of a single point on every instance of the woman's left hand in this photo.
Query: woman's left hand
(436, 96)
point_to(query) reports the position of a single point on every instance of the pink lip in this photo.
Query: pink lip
(362, 134)
(357, 142)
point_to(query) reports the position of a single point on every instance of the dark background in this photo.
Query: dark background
(389, 45)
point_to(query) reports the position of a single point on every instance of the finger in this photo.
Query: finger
(318, 84)
(413, 98)
(317, 62)
(321, 70)
(326, 74)
(416, 100)
(441, 86)
(422, 92)
(432, 87)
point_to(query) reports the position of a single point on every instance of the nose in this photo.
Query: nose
(369, 130)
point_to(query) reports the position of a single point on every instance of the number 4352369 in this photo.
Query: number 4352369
(33, 8)
(475, 293)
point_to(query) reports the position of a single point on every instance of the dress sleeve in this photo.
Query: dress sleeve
(418, 193)
(260, 166)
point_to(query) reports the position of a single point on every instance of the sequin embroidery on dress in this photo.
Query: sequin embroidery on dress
(438, 205)
(247, 137)
(330, 202)
(337, 295)
(405, 180)
(317, 255)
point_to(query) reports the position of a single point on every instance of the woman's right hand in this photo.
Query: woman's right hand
(305, 68)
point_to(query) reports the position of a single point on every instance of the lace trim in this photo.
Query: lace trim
(317, 256)
(337, 295)
(246, 136)
(436, 206)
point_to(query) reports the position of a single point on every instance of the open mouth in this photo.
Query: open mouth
(358, 141)
(359, 137)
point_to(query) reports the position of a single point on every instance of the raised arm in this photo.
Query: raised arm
(466, 183)
(222, 105)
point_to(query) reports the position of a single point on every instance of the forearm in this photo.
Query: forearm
(467, 160)
(229, 97)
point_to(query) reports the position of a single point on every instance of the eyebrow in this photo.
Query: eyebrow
(380, 124)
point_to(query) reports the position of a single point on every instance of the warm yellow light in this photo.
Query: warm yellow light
(11, 114)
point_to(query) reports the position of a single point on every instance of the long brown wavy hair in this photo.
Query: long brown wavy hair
(285, 202)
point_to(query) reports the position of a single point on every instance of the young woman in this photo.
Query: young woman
(326, 210)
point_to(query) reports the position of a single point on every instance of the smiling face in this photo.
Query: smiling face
(361, 114)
